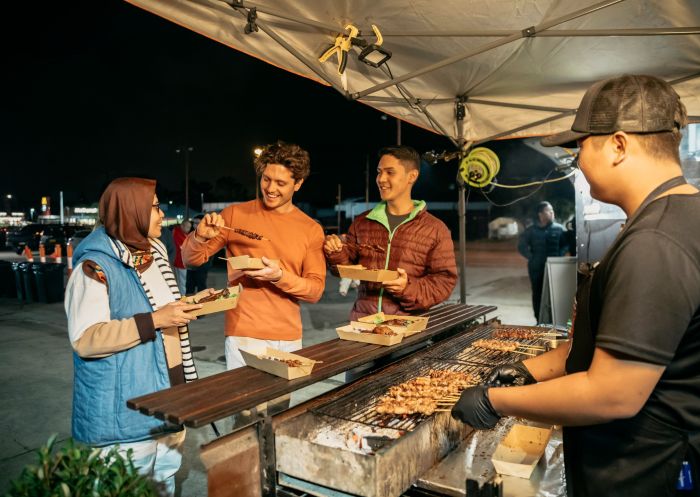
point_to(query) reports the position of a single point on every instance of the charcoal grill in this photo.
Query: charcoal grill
(254, 459)
(359, 406)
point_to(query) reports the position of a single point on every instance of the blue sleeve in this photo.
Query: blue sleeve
(525, 245)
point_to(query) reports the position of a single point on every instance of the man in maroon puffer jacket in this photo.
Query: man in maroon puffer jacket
(398, 234)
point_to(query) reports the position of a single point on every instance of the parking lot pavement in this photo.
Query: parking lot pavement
(37, 371)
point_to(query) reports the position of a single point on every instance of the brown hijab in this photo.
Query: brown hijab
(125, 211)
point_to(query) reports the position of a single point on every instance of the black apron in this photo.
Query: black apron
(640, 456)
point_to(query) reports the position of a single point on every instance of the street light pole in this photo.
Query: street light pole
(187, 151)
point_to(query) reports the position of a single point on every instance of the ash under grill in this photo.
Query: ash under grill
(460, 349)
(360, 406)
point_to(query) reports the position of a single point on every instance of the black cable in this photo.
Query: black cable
(408, 100)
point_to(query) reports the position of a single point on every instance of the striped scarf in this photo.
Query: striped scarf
(160, 259)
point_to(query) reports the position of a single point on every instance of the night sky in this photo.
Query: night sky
(97, 90)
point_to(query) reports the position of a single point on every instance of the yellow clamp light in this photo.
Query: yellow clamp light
(479, 167)
(341, 47)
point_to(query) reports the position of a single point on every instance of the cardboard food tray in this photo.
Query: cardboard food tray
(396, 329)
(276, 367)
(246, 262)
(348, 333)
(419, 323)
(217, 305)
(519, 452)
(359, 272)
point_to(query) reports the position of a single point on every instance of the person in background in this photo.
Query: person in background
(627, 387)
(398, 233)
(128, 331)
(197, 276)
(166, 237)
(179, 234)
(570, 235)
(273, 229)
(543, 239)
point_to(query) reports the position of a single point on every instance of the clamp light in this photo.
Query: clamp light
(373, 54)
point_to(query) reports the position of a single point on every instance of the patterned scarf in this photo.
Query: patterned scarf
(159, 256)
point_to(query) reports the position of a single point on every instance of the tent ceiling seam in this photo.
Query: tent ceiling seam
(486, 47)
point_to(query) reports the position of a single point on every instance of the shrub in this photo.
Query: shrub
(80, 471)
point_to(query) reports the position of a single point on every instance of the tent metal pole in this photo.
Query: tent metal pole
(526, 126)
(478, 101)
(462, 215)
(684, 79)
(276, 13)
(516, 106)
(498, 33)
(424, 109)
(301, 57)
(691, 30)
(531, 31)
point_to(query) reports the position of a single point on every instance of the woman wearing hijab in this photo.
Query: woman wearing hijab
(128, 331)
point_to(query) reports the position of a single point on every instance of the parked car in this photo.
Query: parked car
(28, 235)
(56, 234)
(78, 237)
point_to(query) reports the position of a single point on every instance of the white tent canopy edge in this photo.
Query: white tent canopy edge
(498, 70)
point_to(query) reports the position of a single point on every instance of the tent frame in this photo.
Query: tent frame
(244, 7)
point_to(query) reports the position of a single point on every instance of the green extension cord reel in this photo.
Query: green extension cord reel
(479, 167)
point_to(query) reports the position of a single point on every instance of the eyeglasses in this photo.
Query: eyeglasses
(156, 206)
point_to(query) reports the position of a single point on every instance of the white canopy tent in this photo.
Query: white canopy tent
(471, 70)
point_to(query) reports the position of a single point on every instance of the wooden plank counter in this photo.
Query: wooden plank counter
(224, 394)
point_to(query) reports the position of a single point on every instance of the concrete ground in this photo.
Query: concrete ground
(36, 364)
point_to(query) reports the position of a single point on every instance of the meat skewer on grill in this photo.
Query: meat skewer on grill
(503, 345)
(421, 395)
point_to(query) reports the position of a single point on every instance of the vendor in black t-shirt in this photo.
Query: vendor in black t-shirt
(627, 389)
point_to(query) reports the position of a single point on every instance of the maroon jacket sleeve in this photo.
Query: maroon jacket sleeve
(440, 276)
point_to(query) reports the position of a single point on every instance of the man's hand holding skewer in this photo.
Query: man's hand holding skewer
(333, 244)
(209, 227)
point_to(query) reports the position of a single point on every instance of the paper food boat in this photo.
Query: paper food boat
(351, 332)
(246, 262)
(221, 304)
(519, 452)
(359, 272)
(417, 323)
(259, 360)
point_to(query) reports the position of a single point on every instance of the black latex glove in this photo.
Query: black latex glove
(474, 408)
(510, 374)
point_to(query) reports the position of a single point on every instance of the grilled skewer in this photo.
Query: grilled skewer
(360, 246)
(248, 234)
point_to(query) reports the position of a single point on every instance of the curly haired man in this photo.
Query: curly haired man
(267, 314)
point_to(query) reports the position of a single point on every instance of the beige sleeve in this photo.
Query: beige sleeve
(103, 339)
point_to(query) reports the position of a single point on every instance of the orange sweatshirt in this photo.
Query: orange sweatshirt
(269, 311)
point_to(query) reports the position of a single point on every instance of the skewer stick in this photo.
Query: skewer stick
(534, 347)
(443, 410)
(524, 353)
(237, 230)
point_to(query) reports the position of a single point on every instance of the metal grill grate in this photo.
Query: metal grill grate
(460, 349)
(359, 406)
